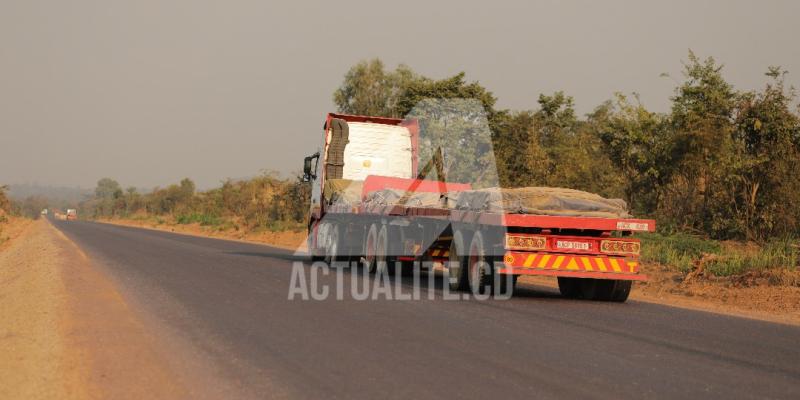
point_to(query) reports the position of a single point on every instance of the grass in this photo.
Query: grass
(682, 252)
(281, 226)
(202, 219)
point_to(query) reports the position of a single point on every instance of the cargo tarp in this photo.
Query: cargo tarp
(529, 200)
(386, 197)
(542, 201)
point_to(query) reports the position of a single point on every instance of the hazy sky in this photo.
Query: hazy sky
(148, 92)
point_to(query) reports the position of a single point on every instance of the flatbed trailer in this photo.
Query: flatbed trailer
(593, 258)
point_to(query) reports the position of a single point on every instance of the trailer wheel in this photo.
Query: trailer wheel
(622, 291)
(370, 249)
(382, 249)
(322, 238)
(504, 284)
(395, 240)
(332, 243)
(456, 273)
(313, 251)
(614, 290)
(569, 287)
(605, 290)
(480, 272)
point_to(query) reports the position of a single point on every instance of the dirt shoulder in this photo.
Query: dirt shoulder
(11, 228)
(769, 295)
(290, 240)
(761, 300)
(66, 332)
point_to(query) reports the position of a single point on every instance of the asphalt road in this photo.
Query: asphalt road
(228, 301)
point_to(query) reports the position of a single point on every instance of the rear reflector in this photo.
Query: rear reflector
(525, 242)
(620, 247)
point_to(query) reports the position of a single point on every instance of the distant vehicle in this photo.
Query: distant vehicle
(72, 214)
(44, 212)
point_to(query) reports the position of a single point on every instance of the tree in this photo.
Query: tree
(108, 196)
(5, 203)
(575, 157)
(521, 158)
(765, 187)
(368, 89)
(454, 87)
(702, 148)
(456, 121)
(555, 119)
(635, 141)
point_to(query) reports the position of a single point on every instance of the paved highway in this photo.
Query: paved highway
(227, 302)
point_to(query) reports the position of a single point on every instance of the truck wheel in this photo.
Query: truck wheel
(322, 236)
(569, 287)
(480, 271)
(370, 249)
(456, 273)
(313, 252)
(397, 242)
(622, 291)
(382, 249)
(613, 290)
(590, 289)
(601, 289)
(504, 284)
(332, 243)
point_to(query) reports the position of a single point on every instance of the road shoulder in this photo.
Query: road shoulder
(69, 333)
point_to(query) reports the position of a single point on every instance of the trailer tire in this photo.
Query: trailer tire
(332, 243)
(595, 289)
(382, 258)
(314, 252)
(481, 273)
(395, 240)
(370, 250)
(619, 291)
(591, 289)
(607, 290)
(503, 285)
(569, 287)
(456, 273)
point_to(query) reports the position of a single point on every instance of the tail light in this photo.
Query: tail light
(525, 242)
(620, 247)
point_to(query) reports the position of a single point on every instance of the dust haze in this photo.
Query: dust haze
(148, 92)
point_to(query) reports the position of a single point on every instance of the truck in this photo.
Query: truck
(364, 158)
(72, 214)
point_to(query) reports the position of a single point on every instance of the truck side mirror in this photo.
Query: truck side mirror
(308, 172)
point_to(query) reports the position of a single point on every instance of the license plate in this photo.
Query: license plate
(568, 245)
(632, 226)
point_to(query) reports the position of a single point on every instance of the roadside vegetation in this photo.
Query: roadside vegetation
(706, 258)
(5, 208)
(10, 216)
(263, 203)
(718, 171)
